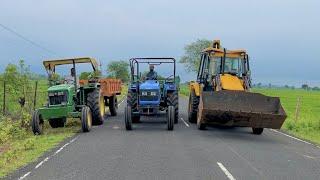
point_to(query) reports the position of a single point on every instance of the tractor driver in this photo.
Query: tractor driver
(151, 75)
(70, 79)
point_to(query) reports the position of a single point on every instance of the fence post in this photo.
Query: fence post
(4, 97)
(35, 96)
(297, 109)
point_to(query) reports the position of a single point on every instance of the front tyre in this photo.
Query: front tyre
(193, 107)
(37, 123)
(128, 118)
(86, 119)
(170, 117)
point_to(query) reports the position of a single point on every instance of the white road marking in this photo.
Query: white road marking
(40, 163)
(185, 122)
(291, 137)
(115, 127)
(121, 101)
(73, 139)
(225, 170)
(61, 148)
(24, 176)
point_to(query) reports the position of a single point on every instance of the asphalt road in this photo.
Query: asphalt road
(151, 152)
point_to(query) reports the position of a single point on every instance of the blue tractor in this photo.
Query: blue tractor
(148, 96)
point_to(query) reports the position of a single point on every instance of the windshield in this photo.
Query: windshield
(233, 66)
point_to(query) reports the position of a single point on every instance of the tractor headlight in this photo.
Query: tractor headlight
(153, 93)
(144, 93)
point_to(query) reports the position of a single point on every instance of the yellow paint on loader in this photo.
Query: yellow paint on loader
(229, 82)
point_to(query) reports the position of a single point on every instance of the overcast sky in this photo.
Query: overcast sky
(282, 37)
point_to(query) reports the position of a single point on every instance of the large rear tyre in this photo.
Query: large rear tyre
(193, 107)
(170, 117)
(128, 118)
(257, 131)
(132, 101)
(173, 100)
(57, 122)
(37, 123)
(113, 105)
(96, 103)
(86, 119)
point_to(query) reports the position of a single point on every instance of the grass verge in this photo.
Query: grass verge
(19, 146)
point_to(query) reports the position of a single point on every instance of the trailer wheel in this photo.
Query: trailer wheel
(128, 118)
(173, 100)
(113, 105)
(96, 103)
(37, 123)
(193, 107)
(57, 122)
(257, 131)
(86, 119)
(170, 117)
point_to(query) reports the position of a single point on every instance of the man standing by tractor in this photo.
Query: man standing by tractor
(151, 75)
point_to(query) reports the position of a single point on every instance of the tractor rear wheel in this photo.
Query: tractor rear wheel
(37, 123)
(173, 100)
(170, 117)
(128, 118)
(86, 119)
(96, 103)
(113, 105)
(132, 100)
(57, 122)
(193, 107)
(257, 131)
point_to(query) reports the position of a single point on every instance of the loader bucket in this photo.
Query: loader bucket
(240, 108)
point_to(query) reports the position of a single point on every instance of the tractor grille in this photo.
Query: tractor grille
(57, 98)
(149, 95)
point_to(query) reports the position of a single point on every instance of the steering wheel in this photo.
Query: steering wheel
(168, 78)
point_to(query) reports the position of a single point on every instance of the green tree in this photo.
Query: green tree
(192, 51)
(85, 75)
(118, 69)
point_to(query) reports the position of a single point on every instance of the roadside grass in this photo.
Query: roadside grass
(18, 145)
(307, 124)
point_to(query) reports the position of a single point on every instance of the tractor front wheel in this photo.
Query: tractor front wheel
(170, 117)
(96, 103)
(128, 118)
(86, 119)
(37, 123)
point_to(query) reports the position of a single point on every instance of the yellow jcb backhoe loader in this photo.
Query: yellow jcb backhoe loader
(221, 95)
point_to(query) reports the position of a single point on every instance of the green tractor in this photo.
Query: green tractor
(69, 99)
